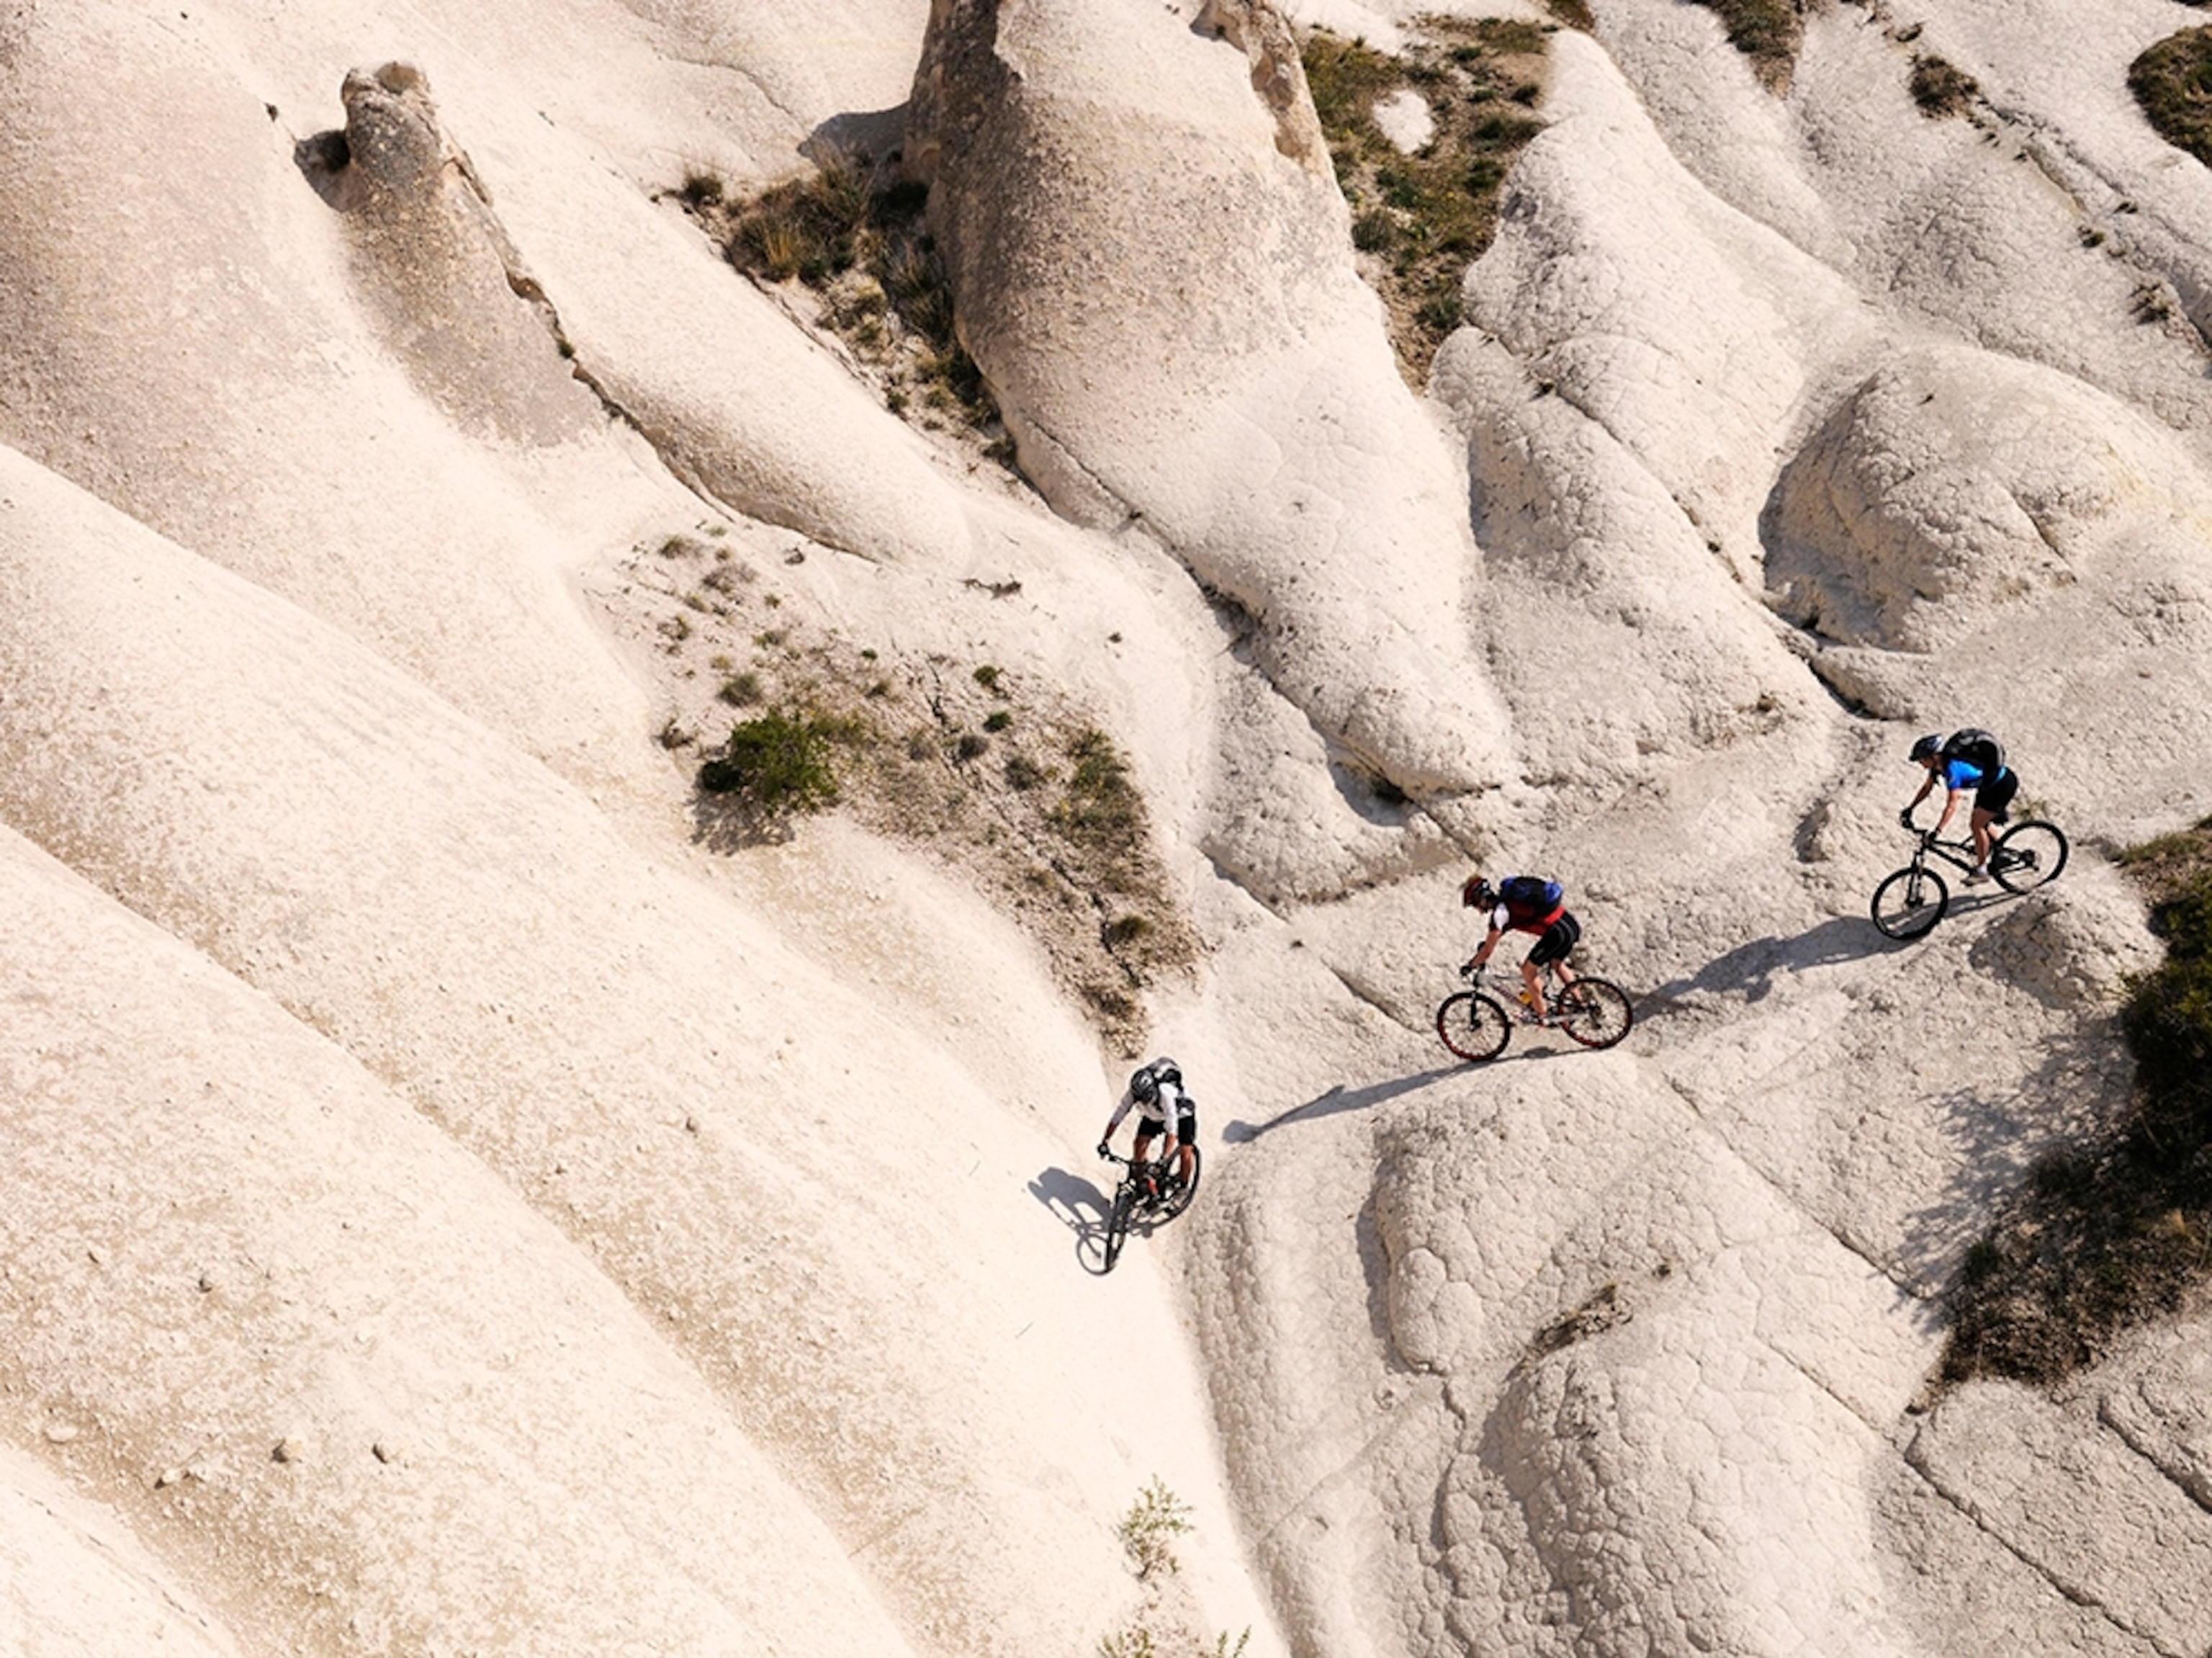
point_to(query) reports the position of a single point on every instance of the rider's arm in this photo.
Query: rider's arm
(1121, 1110)
(1496, 932)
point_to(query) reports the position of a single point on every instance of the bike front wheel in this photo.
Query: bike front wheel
(1178, 1199)
(1473, 1026)
(1910, 902)
(1117, 1222)
(1595, 1012)
(2028, 855)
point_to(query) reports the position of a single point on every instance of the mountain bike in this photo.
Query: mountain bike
(1474, 1023)
(1149, 1191)
(1909, 903)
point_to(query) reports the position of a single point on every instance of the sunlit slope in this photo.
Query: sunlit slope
(809, 1199)
(327, 1365)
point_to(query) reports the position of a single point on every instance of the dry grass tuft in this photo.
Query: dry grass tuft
(1768, 32)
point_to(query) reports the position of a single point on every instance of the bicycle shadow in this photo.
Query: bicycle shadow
(1081, 1207)
(1751, 970)
(1339, 1099)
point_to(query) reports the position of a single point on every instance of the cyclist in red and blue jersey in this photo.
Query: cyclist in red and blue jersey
(1969, 761)
(1526, 903)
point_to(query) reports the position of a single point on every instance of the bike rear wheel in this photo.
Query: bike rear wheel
(1910, 902)
(1178, 1200)
(1473, 1026)
(2028, 855)
(1595, 1012)
(1117, 1221)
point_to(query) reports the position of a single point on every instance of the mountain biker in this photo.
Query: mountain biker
(1156, 1093)
(1967, 759)
(1526, 903)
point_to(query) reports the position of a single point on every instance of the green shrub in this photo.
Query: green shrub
(2108, 1233)
(2173, 85)
(1149, 1530)
(777, 764)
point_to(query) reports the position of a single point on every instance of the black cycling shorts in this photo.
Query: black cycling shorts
(1185, 1128)
(1997, 793)
(1561, 937)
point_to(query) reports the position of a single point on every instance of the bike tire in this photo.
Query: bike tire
(1595, 1012)
(2028, 855)
(1117, 1222)
(1909, 903)
(1180, 1199)
(1473, 1026)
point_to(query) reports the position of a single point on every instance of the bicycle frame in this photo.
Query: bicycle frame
(1959, 854)
(1910, 901)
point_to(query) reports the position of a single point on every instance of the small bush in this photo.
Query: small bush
(741, 690)
(778, 764)
(2171, 82)
(998, 720)
(1940, 90)
(855, 236)
(1149, 1530)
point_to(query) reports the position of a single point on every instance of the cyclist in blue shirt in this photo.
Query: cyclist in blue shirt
(1976, 765)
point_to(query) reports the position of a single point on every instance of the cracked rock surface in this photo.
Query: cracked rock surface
(450, 1202)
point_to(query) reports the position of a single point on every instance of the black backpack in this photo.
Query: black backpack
(1976, 747)
(1161, 1070)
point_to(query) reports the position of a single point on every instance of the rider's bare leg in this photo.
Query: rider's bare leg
(1533, 977)
(1981, 821)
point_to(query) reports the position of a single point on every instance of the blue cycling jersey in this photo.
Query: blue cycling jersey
(1961, 774)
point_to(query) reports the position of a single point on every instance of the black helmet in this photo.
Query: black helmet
(1144, 1086)
(1475, 894)
(1927, 748)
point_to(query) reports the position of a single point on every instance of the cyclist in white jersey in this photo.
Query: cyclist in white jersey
(1156, 1095)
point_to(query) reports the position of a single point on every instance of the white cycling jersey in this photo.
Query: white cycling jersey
(1164, 1112)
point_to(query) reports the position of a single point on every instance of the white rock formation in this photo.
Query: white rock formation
(445, 1206)
(1152, 268)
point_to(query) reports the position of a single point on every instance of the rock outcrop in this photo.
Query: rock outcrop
(1151, 266)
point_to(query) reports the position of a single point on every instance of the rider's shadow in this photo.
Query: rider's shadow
(1080, 1207)
(1750, 969)
(1337, 1099)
